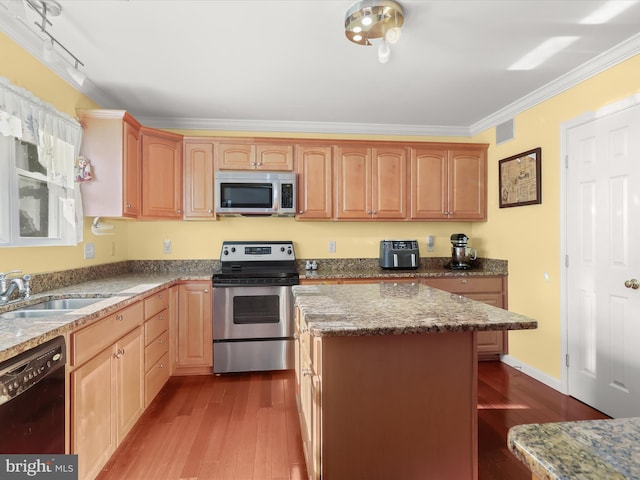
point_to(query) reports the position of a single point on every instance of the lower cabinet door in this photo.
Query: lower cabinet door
(128, 360)
(93, 435)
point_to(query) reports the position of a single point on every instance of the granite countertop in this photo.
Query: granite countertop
(396, 309)
(585, 450)
(369, 268)
(116, 292)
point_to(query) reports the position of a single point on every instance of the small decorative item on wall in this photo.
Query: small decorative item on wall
(520, 179)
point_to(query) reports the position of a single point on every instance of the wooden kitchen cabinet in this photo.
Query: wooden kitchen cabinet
(195, 340)
(254, 156)
(371, 183)
(490, 290)
(107, 391)
(162, 175)
(449, 182)
(111, 143)
(198, 179)
(314, 166)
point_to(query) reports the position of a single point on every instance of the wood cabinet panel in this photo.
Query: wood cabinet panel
(161, 174)
(314, 166)
(156, 377)
(274, 157)
(195, 341)
(429, 184)
(389, 183)
(155, 303)
(198, 180)
(129, 382)
(231, 156)
(132, 199)
(467, 184)
(93, 435)
(353, 183)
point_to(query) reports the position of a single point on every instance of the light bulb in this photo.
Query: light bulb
(76, 75)
(384, 52)
(392, 35)
(48, 52)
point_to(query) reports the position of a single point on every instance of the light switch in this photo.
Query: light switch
(89, 250)
(167, 246)
(431, 241)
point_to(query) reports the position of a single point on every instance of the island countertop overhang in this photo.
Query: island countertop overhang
(397, 309)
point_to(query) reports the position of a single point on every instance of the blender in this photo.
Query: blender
(462, 256)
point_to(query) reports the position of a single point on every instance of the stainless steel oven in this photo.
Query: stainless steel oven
(253, 307)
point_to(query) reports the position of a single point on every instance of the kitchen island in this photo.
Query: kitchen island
(387, 379)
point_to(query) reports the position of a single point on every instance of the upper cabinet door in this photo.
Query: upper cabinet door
(161, 174)
(429, 188)
(233, 156)
(198, 180)
(274, 157)
(315, 182)
(353, 183)
(389, 183)
(468, 184)
(132, 199)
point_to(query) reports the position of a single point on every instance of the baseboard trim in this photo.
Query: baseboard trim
(532, 372)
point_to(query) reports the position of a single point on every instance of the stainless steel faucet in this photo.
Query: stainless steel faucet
(8, 285)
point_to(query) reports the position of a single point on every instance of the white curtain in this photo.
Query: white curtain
(57, 135)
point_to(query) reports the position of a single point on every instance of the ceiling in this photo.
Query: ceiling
(287, 65)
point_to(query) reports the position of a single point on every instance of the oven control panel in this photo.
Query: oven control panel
(257, 251)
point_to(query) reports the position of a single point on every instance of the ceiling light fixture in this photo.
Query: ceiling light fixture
(52, 8)
(375, 22)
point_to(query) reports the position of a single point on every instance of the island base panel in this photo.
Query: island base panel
(399, 406)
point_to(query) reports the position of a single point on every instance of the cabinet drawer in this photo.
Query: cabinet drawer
(155, 303)
(155, 326)
(466, 284)
(92, 339)
(155, 379)
(155, 350)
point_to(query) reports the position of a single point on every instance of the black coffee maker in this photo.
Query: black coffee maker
(462, 256)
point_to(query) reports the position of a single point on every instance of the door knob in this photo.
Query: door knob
(633, 283)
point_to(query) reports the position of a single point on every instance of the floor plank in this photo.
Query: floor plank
(245, 427)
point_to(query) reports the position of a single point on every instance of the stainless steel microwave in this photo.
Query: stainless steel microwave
(255, 193)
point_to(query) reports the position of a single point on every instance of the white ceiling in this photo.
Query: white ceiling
(287, 65)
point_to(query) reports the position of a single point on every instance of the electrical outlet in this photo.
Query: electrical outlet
(113, 249)
(332, 246)
(167, 246)
(431, 240)
(89, 250)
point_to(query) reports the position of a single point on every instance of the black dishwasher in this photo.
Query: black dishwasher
(32, 400)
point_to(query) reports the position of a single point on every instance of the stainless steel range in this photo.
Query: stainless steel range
(253, 307)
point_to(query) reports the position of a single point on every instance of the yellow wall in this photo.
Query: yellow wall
(529, 237)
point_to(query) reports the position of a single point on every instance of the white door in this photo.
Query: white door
(603, 249)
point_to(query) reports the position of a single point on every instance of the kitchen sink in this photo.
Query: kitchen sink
(24, 313)
(63, 304)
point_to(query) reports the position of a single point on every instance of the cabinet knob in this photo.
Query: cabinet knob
(179, 211)
(161, 365)
(465, 281)
(119, 317)
(160, 341)
(206, 290)
(210, 211)
(160, 317)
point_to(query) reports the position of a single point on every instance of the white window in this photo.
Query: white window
(39, 201)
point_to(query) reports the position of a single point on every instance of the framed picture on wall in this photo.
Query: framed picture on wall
(520, 179)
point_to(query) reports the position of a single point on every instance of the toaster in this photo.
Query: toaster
(399, 254)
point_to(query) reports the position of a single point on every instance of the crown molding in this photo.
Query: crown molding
(221, 124)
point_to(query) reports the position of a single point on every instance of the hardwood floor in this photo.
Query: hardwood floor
(245, 426)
